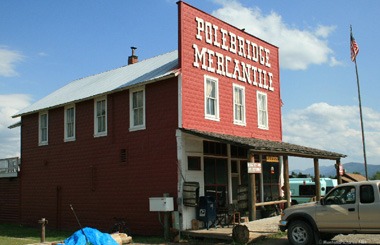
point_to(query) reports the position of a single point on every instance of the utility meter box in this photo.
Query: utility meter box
(161, 204)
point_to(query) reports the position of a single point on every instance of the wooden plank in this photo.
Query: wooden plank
(270, 203)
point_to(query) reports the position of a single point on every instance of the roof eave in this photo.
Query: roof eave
(279, 148)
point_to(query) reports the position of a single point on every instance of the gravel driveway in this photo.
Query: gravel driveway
(339, 239)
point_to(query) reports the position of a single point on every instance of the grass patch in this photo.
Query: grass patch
(277, 236)
(19, 235)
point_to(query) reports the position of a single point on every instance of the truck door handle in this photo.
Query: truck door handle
(351, 209)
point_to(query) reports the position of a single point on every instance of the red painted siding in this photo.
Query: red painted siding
(10, 200)
(89, 173)
(193, 80)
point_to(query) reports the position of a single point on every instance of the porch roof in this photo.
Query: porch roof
(267, 146)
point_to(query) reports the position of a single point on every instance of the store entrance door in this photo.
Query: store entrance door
(216, 180)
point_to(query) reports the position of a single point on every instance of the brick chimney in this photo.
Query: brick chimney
(133, 58)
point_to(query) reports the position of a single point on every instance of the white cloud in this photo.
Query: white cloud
(42, 54)
(324, 31)
(335, 62)
(8, 60)
(298, 48)
(335, 128)
(10, 104)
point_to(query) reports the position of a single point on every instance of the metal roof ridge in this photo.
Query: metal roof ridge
(123, 66)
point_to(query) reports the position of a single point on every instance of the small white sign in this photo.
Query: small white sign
(254, 167)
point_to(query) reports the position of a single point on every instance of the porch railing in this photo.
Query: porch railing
(260, 204)
(9, 167)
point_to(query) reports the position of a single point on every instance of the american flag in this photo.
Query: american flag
(354, 48)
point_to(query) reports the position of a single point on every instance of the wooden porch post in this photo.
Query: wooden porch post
(286, 180)
(337, 167)
(317, 180)
(252, 184)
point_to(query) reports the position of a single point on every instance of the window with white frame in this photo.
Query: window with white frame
(262, 110)
(211, 98)
(239, 104)
(43, 128)
(70, 123)
(137, 109)
(100, 117)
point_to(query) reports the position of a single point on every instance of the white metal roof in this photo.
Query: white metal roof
(145, 71)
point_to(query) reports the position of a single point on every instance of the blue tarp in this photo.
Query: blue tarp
(94, 236)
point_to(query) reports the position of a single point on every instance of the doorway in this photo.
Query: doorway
(216, 180)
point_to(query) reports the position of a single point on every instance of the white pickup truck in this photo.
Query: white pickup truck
(347, 209)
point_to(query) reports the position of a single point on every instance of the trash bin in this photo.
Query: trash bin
(206, 210)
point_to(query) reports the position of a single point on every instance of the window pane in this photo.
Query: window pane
(209, 171)
(262, 110)
(43, 127)
(210, 88)
(239, 104)
(234, 167)
(70, 122)
(221, 171)
(138, 116)
(211, 97)
(43, 135)
(367, 194)
(101, 124)
(193, 163)
(101, 116)
(138, 108)
(210, 106)
(43, 121)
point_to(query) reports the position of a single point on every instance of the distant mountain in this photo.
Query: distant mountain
(350, 167)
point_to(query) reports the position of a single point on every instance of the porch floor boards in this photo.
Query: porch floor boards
(257, 229)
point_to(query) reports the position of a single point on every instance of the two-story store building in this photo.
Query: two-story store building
(191, 117)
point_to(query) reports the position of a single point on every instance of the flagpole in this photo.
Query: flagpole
(361, 117)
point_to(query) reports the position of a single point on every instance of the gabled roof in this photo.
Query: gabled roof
(146, 71)
(349, 177)
(267, 146)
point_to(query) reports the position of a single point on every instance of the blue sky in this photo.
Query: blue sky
(47, 43)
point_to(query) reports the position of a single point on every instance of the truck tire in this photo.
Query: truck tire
(300, 233)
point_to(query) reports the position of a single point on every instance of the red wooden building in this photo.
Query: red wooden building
(108, 142)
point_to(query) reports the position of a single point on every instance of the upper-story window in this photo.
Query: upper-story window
(239, 104)
(100, 117)
(70, 123)
(211, 98)
(262, 110)
(137, 109)
(43, 128)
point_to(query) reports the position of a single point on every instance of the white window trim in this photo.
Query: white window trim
(72, 138)
(236, 121)
(132, 127)
(96, 133)
(209, 116)
(40, 142)
(261, 126)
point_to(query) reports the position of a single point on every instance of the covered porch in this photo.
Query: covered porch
(270, 185)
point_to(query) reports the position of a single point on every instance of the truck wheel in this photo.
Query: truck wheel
(300, 233)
